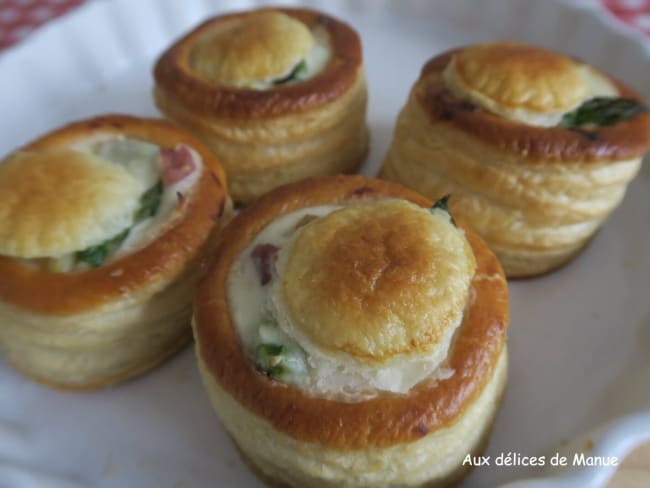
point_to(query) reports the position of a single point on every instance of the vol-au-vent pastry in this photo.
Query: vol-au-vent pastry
(278, 94)
(103, 224)
(536, 148)
(351, 333)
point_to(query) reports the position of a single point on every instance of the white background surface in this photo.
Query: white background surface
(579, 338)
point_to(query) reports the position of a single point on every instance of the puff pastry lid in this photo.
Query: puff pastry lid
(379, 280)
(523, 83)
(252, 49)
(346, 301)
(59, 200)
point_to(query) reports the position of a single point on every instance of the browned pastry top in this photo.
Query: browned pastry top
(155, 264)
(390, 268)
(627, 139)
(389, 418)
(520, 76)
(175, 75)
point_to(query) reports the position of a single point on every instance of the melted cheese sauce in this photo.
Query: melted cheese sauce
(336, 375)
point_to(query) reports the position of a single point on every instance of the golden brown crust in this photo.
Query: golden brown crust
(626, 140)
(174, 74)
(520, 76)
(255, 48)
(390, 272)
(48, 293)
(389, 418)
(57, 201)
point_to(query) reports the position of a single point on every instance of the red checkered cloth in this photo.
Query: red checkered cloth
(20, 17)
(635, 13)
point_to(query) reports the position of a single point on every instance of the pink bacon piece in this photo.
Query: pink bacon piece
(177, 163)
(264, 256)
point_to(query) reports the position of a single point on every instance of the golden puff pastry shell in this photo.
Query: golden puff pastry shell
(379, 279)
(57, 201)
(388, 419)
(256, 48)
(519, 76)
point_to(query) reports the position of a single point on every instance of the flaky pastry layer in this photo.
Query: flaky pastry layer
(97, 349)
(432, 461)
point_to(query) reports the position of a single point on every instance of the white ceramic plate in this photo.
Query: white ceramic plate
(579, 338)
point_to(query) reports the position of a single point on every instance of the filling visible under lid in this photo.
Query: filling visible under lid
(262, 51)
(536, 87)
(280, 344)
(165, 177)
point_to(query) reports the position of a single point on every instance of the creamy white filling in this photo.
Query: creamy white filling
(142, 160)
(327, 373)
(249, 300)
(315, 61)
(149, 229)
(597, 86)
